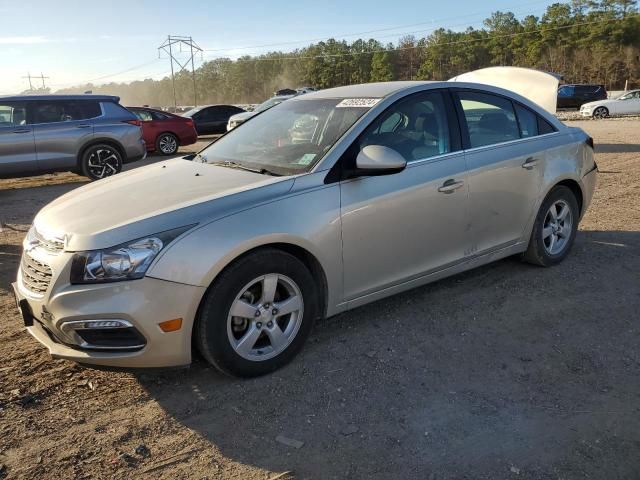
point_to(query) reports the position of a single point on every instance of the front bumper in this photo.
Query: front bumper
(141, 303)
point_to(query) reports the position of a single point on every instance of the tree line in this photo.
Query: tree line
(584, 41)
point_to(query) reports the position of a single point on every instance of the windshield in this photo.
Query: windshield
(269, 103)
(629, 95)
(287, 139)
(192, 112)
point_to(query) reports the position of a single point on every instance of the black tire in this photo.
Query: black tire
(600, 113)
(211, 330)
(167, 144)
(101, 161)
(538, 251)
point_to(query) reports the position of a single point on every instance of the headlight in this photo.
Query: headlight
(128, 261)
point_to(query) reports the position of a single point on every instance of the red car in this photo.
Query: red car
(164, 132)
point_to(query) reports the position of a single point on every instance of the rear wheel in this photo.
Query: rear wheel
(258, 314)
(555, 228)
(100, 161)
(600, 112)
(167, 144)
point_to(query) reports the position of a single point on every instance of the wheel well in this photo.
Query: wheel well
(577, 191)
(109, 142)
(301, 254)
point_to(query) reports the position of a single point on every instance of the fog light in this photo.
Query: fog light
(105, 324)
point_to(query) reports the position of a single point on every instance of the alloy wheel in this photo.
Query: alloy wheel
(168, 144)
(557, 227)
(265, 317)
(103, 162)
(600, 112)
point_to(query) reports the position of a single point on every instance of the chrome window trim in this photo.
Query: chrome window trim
(510, 142)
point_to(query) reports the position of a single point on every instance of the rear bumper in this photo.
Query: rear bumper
(141, 303)
(135, 152)
(188, 139)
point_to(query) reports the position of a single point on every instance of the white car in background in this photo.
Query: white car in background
(626, 104)
(238, 118)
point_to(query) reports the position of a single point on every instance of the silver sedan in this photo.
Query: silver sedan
(321, 204)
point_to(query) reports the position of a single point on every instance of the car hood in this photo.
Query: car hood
(242, 116)
(153, 199)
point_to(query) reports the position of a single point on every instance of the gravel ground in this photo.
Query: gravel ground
(507, 371)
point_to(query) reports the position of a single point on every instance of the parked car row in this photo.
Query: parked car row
(592, 101)
(94, 135)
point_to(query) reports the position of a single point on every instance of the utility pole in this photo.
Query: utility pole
(168, 46)
(43, 77)
(29, 77)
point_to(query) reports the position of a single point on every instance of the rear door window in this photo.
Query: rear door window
(56, 111)
(143, 115)
(490, 119)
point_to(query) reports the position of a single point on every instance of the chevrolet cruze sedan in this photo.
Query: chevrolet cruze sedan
(326, 202)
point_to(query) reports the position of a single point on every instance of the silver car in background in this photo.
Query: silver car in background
(90, 134)
(326, 202)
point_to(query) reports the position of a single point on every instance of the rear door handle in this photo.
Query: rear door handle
(22, 130)
(530, 163)
(83, 126)
(450, 186)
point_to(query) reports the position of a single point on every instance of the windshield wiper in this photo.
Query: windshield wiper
(230, 164)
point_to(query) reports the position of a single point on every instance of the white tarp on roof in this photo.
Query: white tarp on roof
(535, 85)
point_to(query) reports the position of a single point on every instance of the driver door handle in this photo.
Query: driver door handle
(530, 163)
(22, 130)
(83, 126)
(451, 186)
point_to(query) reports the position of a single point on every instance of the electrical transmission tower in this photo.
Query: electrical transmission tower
(173, 45)
(42, 77)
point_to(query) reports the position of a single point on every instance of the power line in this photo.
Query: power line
(363, 33)
(142, 65)
(395, 49)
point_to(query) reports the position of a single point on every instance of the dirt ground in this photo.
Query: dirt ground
(507, 371)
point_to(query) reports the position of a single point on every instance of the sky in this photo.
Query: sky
(73, 42)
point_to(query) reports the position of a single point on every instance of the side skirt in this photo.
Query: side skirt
(434, 276)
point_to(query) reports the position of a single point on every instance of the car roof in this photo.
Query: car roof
(375, 90)
(23, 98)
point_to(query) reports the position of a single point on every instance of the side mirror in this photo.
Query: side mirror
(378, 160)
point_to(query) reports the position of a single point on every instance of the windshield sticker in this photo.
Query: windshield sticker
(358, 102)
(306, 159)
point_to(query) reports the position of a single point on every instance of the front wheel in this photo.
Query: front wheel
(600, 112)
(257, 314)
(167, 144)
(100, 161)
(555, 228)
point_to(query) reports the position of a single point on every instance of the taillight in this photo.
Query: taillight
(137, 123)
(190, 123)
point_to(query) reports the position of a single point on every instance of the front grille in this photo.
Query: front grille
(36, 275)
(52, 245)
